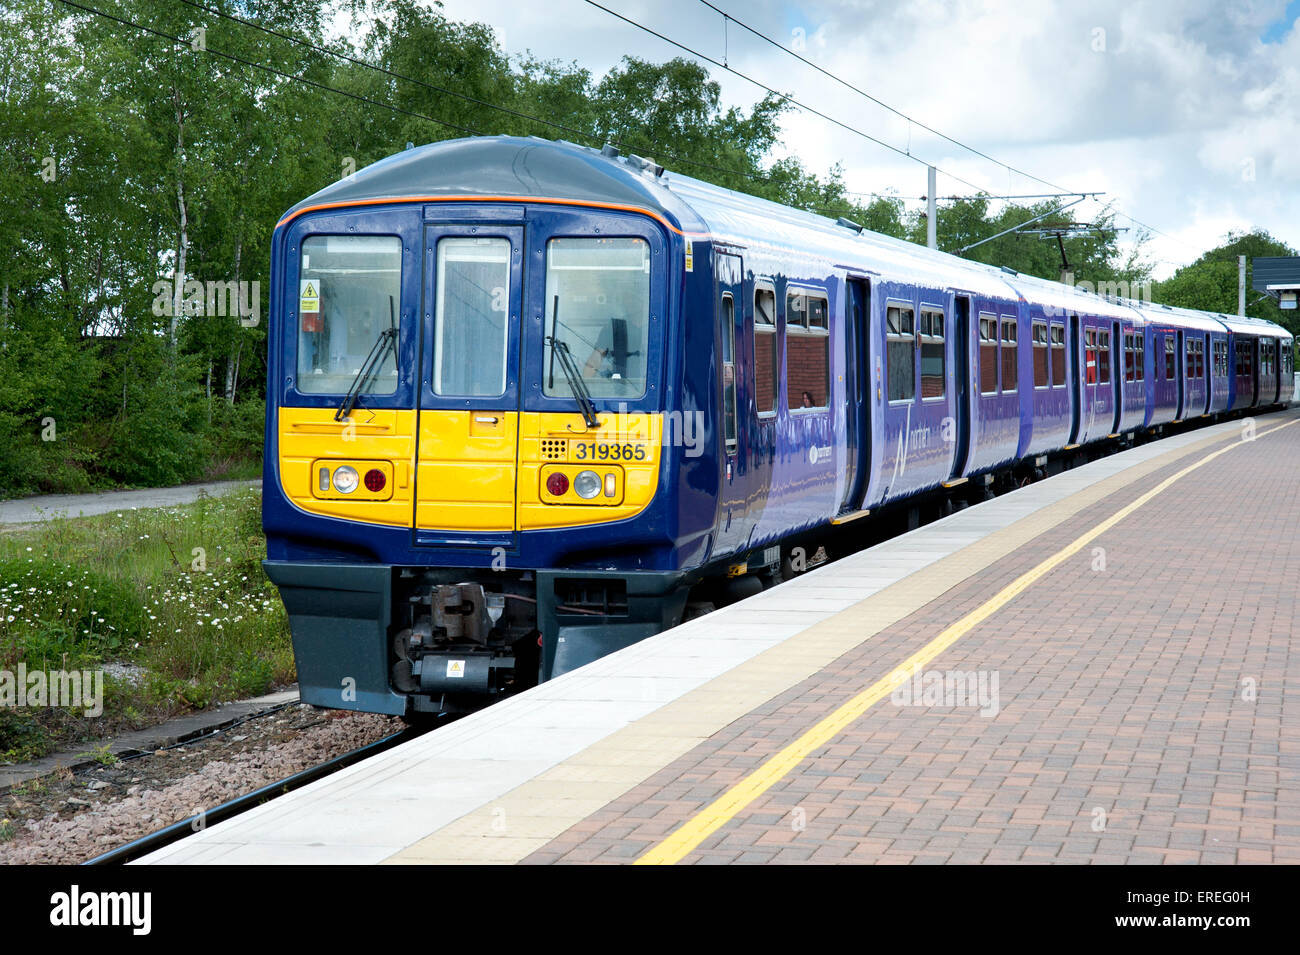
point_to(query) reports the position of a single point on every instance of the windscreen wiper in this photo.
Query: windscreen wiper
(560, 348)
(379, 351)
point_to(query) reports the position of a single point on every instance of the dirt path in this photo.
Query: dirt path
(32, 510)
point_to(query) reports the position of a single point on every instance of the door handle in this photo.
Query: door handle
(485, 419)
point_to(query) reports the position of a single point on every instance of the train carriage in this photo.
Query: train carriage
(528, 401)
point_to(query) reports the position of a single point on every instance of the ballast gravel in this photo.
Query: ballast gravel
(69, 818)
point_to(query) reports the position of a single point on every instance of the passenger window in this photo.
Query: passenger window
(933, 378)
(727, 316)
(900, 346)
(988, 353)
(1171, 356)
(807, 351)
(1041, 356)
(1139, 355)
(1058, 355)
(765, 356)
(1103, 357)
(1090, 354)
(1010, 371)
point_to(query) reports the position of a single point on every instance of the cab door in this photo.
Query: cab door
(468, 434)
(728, 273)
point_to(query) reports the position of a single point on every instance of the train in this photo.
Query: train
(530, 402)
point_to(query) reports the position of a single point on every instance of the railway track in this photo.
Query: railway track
(228, 810)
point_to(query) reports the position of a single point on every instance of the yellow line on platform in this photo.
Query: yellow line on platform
(684, 840)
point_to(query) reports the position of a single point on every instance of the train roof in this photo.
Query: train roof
(523, 168)
(1245, 325)
(1162, 314)
(504, 167)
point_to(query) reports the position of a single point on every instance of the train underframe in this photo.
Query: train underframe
(431, 640)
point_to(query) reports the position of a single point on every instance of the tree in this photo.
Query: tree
(1210, 283)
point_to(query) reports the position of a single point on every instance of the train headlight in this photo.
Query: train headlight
(587, 484)
(345, 479)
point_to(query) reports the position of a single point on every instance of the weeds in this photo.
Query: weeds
(177, 595)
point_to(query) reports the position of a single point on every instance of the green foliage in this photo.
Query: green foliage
(1210, 283)
(56, 614)
(194, 627)
(22, 737)
(101, 755)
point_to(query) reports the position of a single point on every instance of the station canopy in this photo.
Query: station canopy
(1278, 277)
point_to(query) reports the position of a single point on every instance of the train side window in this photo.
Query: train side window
(1041, 355)
(900, 345)
(727, 316)
(1058, 354)
(1140, 356)
(988, 353)
(1128, 356)
(1010, 371)
(807, 350)
(933, 378)
(1171, 356)
(1090, 353)
(1103, 356)
(765, 351)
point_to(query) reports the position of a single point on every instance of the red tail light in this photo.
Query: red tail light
(375, 480)
(557, 484)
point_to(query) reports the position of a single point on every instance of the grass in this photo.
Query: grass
(174, 599)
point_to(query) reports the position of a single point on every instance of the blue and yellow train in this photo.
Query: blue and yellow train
(526, 399)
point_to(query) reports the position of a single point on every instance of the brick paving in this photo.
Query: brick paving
(1148, 707)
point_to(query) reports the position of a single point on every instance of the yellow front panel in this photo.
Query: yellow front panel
(476, 469)
(626, 445)
(465, 478)
(310, 438)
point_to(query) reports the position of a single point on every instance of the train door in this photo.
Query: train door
(857, 364)
(1116, 376)
(468, 432)
(734, 529)
(1180, 375)
(1206, 378)
(961, 370)
(1276, 386)
(1076, 383)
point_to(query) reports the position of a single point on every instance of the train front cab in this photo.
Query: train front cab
(465, 459)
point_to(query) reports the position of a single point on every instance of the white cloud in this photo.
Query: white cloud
(1165, 106)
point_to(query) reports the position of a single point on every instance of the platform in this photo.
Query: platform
(1129, 627)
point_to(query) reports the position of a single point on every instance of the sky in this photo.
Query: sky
(1185, 113)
